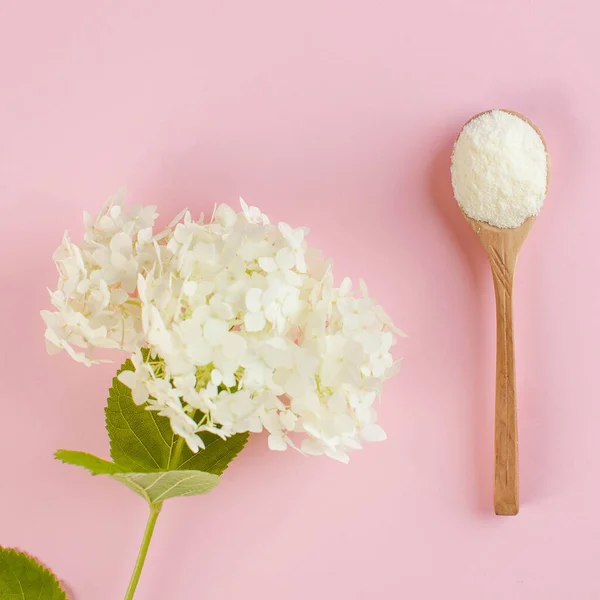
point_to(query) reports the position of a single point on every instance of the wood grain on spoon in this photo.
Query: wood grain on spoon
(502, 247)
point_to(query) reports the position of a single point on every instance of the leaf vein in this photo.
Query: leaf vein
(173, 487)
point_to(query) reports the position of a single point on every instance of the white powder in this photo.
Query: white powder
(499, 169)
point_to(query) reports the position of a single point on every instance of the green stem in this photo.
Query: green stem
(139, 564)
(176, 456)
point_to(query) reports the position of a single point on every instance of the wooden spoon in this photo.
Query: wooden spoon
(502, 247)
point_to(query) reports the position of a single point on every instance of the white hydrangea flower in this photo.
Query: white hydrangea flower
(233, 325)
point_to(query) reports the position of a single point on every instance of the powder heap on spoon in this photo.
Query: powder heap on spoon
(499, 169)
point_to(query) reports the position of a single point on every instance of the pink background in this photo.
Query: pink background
(337, 115)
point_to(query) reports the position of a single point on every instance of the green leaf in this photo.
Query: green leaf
(95, 465)
(153, 487)
(22, 578)
(216, 455)
(157, 487)
(141, 441)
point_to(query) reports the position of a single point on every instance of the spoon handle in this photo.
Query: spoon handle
(506, 447)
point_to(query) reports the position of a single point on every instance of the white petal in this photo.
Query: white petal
(177, 218)
(158, 335)
(300, 262)
(119, 261)
(103, 342)
(277, 442)
(290, 305)
(254, 425)
(338, 455)
(272, 312)
(254, 321)
(51, 347)
(193, 442)
(345, 287)
(373, 433)
(285, 258)
(288, 420)
(216, 377)
(229, 379)
(312, 446)
(200, 351)
(253, 297)
(337, 403)
(142, 287)
(121, 243)
(128, 378)
(79, 357)
(293, 278)
(352, 443)
(226, 216)
(215, 330)
(144, 235)
(83, 286)
(267, 264)
(189, 288)
(234, 346)
(119, 296)
(363, 288)
(140, 395)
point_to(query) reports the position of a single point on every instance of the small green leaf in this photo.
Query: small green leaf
(157, 487)
(95, 465)
(153, 487)
(23, 578)
(141, 441)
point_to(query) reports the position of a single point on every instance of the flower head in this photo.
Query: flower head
(233, 325)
